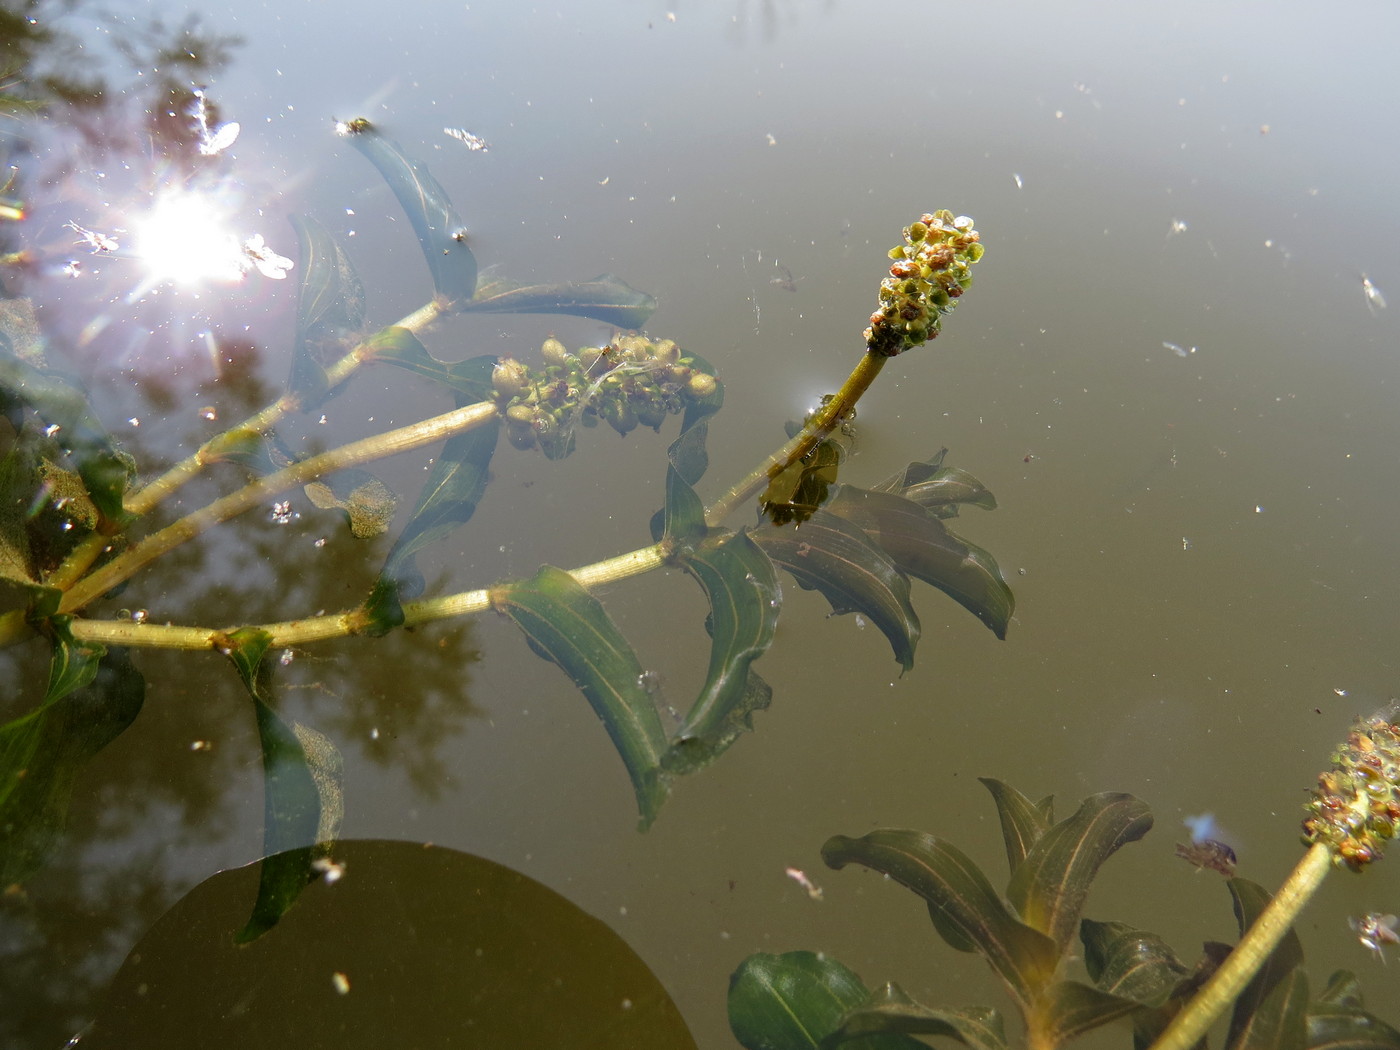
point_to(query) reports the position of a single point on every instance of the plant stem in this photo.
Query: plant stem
(378, 446)
(1244, 961)
(818, 429)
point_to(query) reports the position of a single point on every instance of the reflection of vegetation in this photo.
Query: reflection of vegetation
(1028, 933)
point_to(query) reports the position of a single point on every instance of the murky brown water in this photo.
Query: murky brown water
(1169, 373)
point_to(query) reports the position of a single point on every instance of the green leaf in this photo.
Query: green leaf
(742, 588)
(794, 1001)
(1049, 887)
(89, 704)
(1259, 1012)
(1130, 963)
(605, 298)
(922, 547)
(684, 517)
(1278, 1021)
(938, 488)
(804, 484)
(890, 1011)
(415, 946)
(1337, 1019)
(73, 664)
(567, 625)
(1068, 1009)
(469, 379)
(255, 450)
(967, 912)
(440, 231)
(696, 412)
(330, 310)
(831, 555)
(448, 501)
(301, 791)
(1023, 822)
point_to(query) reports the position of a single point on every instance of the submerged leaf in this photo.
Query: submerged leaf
(448, 501)
(568, 626)
(796, 1000)
(1068, 1009)
(831, 555)
(1337, 1019)
(1130, 963)
(302, 796)
(1048, 889)
(742, 588)
(441, 233)
(923, 547)
(804, 484)
(607, 298)
(967, 912)
(937, 488)
(365, 500)
(1023, 822)
(890, 1011)
(93, 697)
(330, 310)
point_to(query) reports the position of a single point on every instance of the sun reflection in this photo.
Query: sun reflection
(185, 239)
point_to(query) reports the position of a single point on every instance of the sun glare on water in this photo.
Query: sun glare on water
(185, 240)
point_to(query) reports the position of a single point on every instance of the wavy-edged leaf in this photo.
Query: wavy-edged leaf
(804, 484)
(1068, 1009)
(92, 698)
(607, 298)
(890, 1011)
(1337, 1019)
(1023, 822)
(440, 231)
(255, 450)
(1278, 1021)
(742, 588)
(1258, 1007)
(796, 1000)
(301, 791)
(448, 500)
(937, 488)
(923, 547)
(1130, 963)
(831, 555)
(330, 310)
(967, 912)
(1049, 887)
(568, 626)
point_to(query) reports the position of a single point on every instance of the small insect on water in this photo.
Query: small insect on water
(1375, 931)
(98, 242)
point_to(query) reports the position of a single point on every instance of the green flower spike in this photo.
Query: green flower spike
(929, 274)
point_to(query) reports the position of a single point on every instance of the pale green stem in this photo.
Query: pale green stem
(1244, 961)
(826, 419)
(148, 496)
(321, 628)
(378, 446)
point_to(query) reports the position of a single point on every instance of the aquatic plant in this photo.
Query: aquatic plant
(1029, 933)
(75, 527)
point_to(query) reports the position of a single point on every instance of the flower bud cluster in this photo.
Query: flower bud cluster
(929, 274)
(631, 382)
(1355, 807)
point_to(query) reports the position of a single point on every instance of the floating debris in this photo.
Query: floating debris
(212, 141)
(799, 876)
(475, 143)
(1208, 853)
(1177, 226)
(1374, 299)
(1180, 351)
(99, 243)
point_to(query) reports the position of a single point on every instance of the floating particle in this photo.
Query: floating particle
(1180, 351)
(1375, 931)
(201, 745)
(73, 268)
(330, 870)
(799, 876)
(286, 658)
(475, 143)
(1176, 227)
(1340, 692)
(771, 140)
(209, 413)
(1374, 299)
(1020, 184)
(320, 543)
(140, 616)
(1185, 544)
(134, 422)
(340, 982)
(282, 512)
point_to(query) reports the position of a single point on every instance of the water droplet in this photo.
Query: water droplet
(282, 512)
(139, 616)
(286, 658)
(209, 413)
(320, 543)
